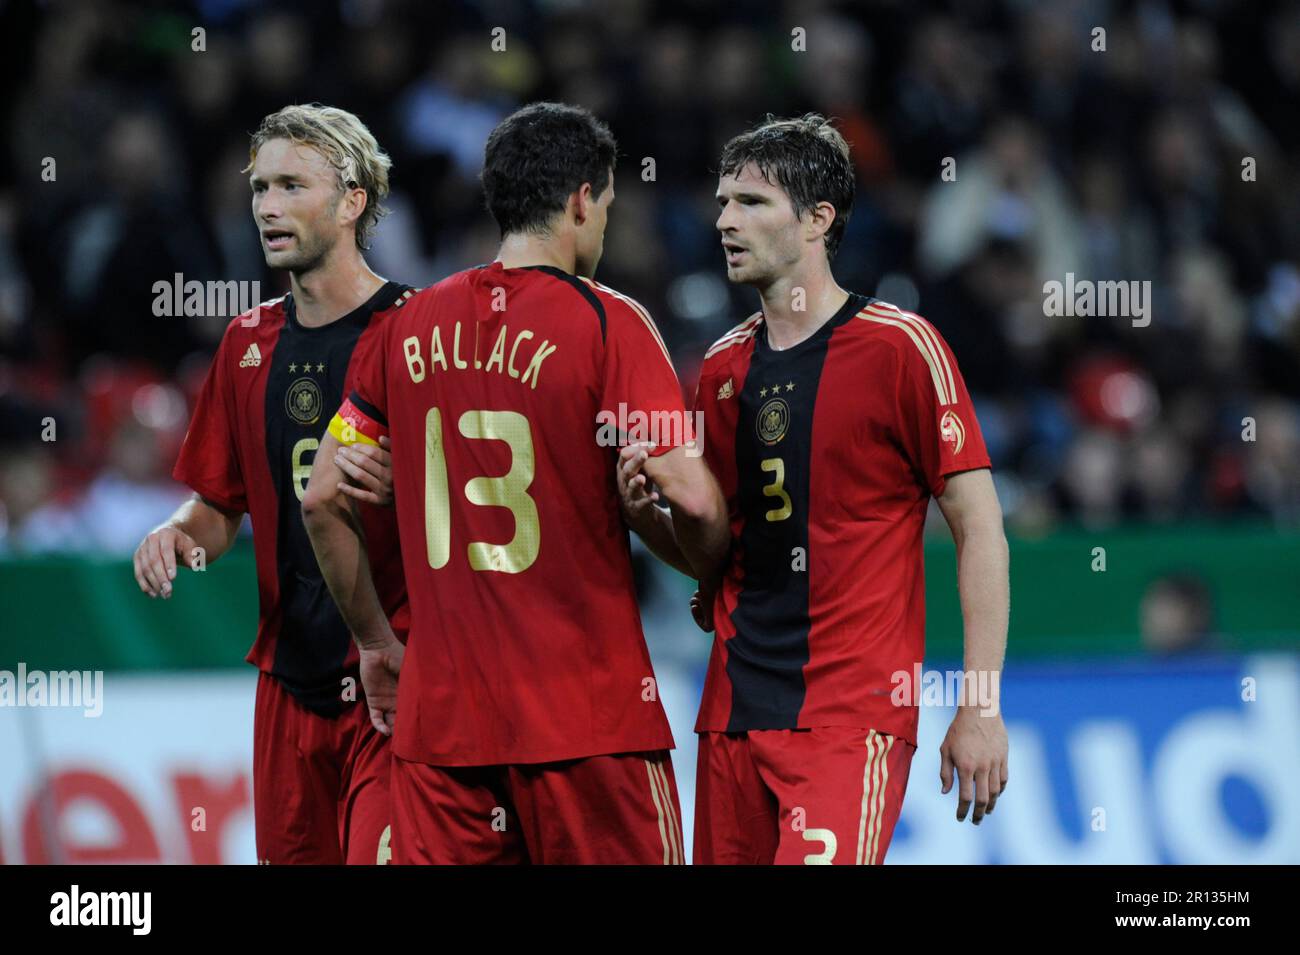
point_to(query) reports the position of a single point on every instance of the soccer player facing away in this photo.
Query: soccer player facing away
(527, 725)
(320, 769)
(830, 419)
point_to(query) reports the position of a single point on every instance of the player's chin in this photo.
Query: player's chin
(285, 259)
(741, 275)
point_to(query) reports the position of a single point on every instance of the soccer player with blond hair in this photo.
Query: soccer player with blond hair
(320, 769)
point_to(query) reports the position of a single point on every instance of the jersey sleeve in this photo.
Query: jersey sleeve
(935, 417)
(362, 418)
(640, 386)
(209, 458)
(706, 412)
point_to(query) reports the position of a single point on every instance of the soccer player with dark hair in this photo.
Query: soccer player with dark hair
(527, 726)
(830, 419)
(320, 769)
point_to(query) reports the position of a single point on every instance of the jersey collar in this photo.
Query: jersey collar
(854, 304)
(388, 293)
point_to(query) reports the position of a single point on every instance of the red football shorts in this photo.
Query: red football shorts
(611, 810)
(320, 785)
(789, 797)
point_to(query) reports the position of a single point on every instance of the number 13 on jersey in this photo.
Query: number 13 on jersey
(509, 491)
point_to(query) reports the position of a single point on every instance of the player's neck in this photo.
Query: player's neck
(797, 304)
(333, 289)
(521, 250)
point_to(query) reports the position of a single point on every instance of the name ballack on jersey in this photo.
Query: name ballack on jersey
(499, 359)
(526, 643)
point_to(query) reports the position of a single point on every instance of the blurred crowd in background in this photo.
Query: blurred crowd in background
(1119, 164)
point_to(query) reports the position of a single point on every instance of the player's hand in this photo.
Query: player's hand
(702, 609)
(379, 669)
(976, 748)
(636, 492)
(369, 470)
(155, 559)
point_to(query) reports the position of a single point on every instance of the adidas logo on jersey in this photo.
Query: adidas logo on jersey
(727, 390)
(252, 358)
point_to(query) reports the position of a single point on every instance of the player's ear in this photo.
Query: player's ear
(353, 205)
(582, 202)
(820, 220)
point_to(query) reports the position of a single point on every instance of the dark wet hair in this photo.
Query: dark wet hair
(807, 157)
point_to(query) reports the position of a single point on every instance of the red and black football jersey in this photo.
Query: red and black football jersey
(828, 453)
(526, 643)
(272, 389)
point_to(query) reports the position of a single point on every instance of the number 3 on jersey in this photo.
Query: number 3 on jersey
(509, 490)
(776, 489)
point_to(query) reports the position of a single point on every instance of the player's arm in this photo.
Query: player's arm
(209, 463)
(652, 524)
(369, 472)
(199, 525)
(699, 525)
(976, 744)
(937, 428)
(634, 377)
(655, 528)
(339, 543)
(340, 546)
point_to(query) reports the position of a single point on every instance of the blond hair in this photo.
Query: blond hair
(346, 145)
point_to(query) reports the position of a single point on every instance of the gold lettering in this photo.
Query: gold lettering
(455, 350)
(414, 363)
(498, 352)
(535, 366)
(510, 490)
(776, 489)
(497, 359)
(301, 468)
(437, 503)
(514, 372)
(436, 354)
